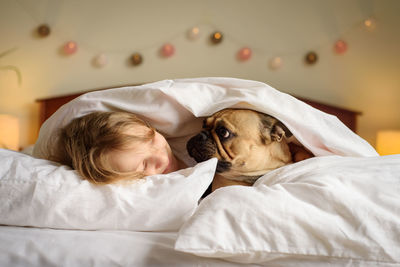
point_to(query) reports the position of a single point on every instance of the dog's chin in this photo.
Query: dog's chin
(223, 166)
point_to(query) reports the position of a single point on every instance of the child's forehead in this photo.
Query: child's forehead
(137, 129)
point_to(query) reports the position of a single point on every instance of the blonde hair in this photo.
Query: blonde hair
(84, 144)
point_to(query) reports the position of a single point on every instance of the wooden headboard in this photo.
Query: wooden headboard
(349, 117)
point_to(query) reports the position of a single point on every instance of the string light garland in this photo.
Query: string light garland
(167, 50)
(244, 54)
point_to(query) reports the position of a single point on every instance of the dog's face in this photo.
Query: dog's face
(246, 143)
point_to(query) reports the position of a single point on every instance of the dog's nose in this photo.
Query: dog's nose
(204, 135)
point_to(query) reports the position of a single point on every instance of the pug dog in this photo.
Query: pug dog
(247, 144)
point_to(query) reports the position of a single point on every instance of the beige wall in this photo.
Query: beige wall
(366, 78)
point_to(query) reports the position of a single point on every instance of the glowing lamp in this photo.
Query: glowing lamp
(388, 142)
(9, 132)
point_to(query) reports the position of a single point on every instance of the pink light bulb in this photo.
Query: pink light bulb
(244, 54)
(70, 47)
(167, 50)
(340, 47)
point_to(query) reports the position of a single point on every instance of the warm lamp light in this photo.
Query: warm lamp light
(9, 132)
(388, 142)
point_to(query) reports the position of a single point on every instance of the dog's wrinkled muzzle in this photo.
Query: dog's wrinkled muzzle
(201, 147)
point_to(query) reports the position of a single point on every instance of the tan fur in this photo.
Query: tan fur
(248, 153)
(221, 181)
(257, 144)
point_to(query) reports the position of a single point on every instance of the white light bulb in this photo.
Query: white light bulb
(370, 24)
(194, 33)
(100, 60)
(275, 63)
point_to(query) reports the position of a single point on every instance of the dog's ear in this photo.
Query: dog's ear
(279, 131)
(208, 122)
(276, 130)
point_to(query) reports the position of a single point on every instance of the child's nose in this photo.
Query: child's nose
(155, 165)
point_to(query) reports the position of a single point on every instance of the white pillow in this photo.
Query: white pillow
(332, 209)
(40, 193)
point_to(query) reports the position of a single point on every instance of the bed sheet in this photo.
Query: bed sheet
(20, 246)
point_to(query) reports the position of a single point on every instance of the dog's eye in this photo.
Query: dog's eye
(223, 133)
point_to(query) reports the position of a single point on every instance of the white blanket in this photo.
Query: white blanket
(333, 209)
(172, 107)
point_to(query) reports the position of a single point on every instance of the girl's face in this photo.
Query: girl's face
(152, 157)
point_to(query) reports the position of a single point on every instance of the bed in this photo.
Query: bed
(340, 208)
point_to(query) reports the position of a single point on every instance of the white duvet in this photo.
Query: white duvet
(332, 209)
(341, 207)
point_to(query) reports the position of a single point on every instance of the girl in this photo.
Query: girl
(108, 147)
